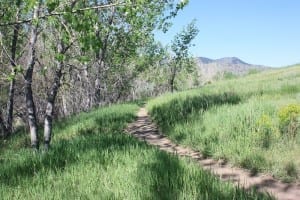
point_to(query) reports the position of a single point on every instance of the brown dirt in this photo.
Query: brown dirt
(144, 129)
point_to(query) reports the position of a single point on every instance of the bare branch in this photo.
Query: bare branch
(73, 40)
(63, 13)
(6, 52)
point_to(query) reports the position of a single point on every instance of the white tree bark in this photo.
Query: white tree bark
(30, 106)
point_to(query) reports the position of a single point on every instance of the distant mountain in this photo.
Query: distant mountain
(205, 60)
(211, 69)
(231, 61)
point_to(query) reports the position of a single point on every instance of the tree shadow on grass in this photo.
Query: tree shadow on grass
(161, 176)
(106, 133)
(168, 177)
(179, 110)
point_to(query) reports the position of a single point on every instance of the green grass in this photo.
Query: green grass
(237, 120)
(92, 158)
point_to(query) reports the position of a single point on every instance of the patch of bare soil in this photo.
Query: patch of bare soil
(144, 129)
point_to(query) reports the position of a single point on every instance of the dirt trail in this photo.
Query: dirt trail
(144, 129)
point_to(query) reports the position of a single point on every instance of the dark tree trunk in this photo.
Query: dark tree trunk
(10, 106)
(30, 106)
(101, 59)
(172, 79)
(2, 126)
(10, 103)
(172, 85)
(51, 98)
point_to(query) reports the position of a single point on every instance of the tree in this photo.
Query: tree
(11, 53)
(180, 48)
(79, 54)
(63, 42)
(110, 32)
(31, 59)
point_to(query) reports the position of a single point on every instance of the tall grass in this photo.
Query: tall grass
(244, 128)
(92, 158)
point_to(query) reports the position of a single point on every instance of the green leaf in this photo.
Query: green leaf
(52, 5)
(83, 59)
(60, 57)
(11, 76)
(19, 69)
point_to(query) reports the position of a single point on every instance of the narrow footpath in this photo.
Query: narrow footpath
(144, 129)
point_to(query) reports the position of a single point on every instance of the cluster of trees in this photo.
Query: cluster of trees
(58, 57)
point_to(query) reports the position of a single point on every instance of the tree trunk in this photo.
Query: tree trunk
(2, 126)
(64, 105)
(101, 58)
(97, 89)
(10, 106)
(30, 106)
(172, 78)
(51, 99)
(10, 103)
(88, 86)
(172, 85)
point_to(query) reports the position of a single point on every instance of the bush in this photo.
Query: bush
(289, 119)
(253, 162)
(291, 169)
(265, 130)
(253, 71)
(229, 75)
(289, 89)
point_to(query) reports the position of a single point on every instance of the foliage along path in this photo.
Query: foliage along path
(144, 129)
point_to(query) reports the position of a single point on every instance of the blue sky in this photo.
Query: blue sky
(263, 32)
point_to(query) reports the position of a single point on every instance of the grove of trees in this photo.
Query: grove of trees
(59, 57)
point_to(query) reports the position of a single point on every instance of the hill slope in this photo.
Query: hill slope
(213, 69)
(252, 121)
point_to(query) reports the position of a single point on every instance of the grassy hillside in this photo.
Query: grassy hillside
(91, 158)
(251, 122)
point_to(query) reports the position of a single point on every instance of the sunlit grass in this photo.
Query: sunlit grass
(92, 158)
(244, 132)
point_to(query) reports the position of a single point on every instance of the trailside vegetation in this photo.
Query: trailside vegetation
(92, 158)
(252, 121)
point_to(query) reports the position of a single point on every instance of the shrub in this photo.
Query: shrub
(289, 89)
(291, 169)
(206, 152)
(290, 172)
(253, 71)
(229, 75)
(289, 119)
(265, 130)
(254, 162)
